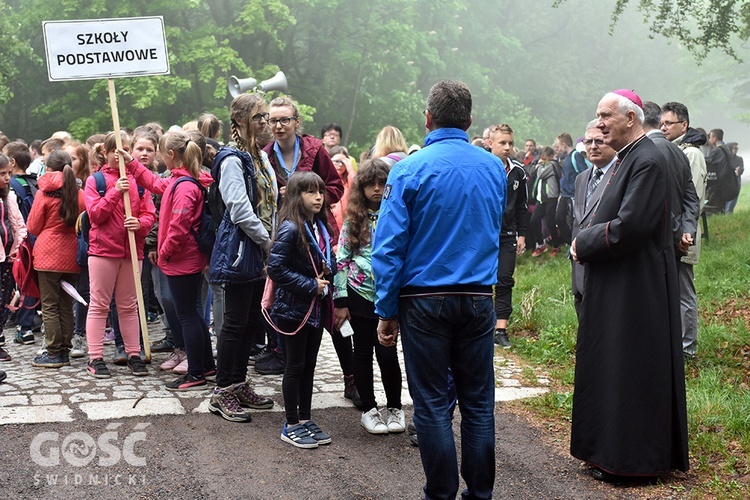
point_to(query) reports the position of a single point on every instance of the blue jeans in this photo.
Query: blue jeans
(453, 332)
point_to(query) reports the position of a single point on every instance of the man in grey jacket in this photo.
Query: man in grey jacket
(675, 125)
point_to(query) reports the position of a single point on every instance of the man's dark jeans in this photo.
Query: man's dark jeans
(438, 333)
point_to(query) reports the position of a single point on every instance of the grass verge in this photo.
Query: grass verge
(544, 328)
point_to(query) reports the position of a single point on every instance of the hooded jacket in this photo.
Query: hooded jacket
(16, 225)
(690, 143)
(56, 244)
(108, 236)
(179, 217)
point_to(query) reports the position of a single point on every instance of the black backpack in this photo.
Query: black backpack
(206, 234)
(721, 181)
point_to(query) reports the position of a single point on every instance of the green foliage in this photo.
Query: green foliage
(359, 63)
(699, 26)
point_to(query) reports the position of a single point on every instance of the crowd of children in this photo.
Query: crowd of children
(247, 228)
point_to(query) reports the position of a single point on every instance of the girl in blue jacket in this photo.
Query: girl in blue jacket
(301, 265)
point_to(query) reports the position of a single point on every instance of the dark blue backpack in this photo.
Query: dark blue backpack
(206, 234)
(83, 225)
(25, 187)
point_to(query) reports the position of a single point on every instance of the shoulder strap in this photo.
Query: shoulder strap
(101, 183)
(187, 178)
(16, 185)
(267, 314)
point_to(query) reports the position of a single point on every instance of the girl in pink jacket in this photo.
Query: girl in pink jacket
(52, 219)
(110, 268)
(178, 254)
(12, 232)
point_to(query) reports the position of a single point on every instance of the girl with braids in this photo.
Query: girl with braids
(247, 189)
(355, 300)
(12, 232)
(178, 255)
(52, 219)
(301, 265)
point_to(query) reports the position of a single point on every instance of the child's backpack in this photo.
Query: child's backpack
(721, 181)
(25, 187)
(83, 224)
(206, 234)
(24, 273)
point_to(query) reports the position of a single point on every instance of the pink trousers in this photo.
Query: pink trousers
(106, 276)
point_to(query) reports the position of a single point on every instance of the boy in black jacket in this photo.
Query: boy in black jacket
(513, 231)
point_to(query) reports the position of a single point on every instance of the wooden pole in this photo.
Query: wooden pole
(128, 213)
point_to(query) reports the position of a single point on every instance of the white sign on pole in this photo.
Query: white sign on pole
(105, 48)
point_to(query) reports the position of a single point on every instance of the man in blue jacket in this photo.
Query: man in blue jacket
(435, 262)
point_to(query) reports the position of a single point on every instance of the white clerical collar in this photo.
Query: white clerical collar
(606, 167)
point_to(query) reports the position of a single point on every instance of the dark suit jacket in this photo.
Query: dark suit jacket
(684, 199)
(581, 217)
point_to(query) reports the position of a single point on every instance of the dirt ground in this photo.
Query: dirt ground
(202, 455)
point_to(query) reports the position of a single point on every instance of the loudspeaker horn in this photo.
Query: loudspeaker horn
(237, 86)
(277, 82)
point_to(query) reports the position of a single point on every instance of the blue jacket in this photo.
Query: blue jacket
(290, 268)
(238, 254)
(573, 165)
(439, 222)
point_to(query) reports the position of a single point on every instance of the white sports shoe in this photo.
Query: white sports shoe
(373, 422)
(395, 420)
(79, 347)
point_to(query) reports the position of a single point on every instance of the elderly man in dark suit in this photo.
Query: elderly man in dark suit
(588, 191)
(629, 410)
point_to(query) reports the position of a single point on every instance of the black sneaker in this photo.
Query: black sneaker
(274, 366)
(4, 356)
(162, 345)
(46, 360)
(2, 339)
(25, 337)
(501, 339)
(137, 366)
(317, 433)
(3, 375)
(187, 383)
(411, 431)
(98, 368)
(351, 392)
(261, 356)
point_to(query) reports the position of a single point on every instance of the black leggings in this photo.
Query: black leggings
(7, 287)
(545, 211)
(243, 322)
(365, 338)
(297, 386)
(185, 291)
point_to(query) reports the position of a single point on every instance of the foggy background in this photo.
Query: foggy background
(367, 64)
